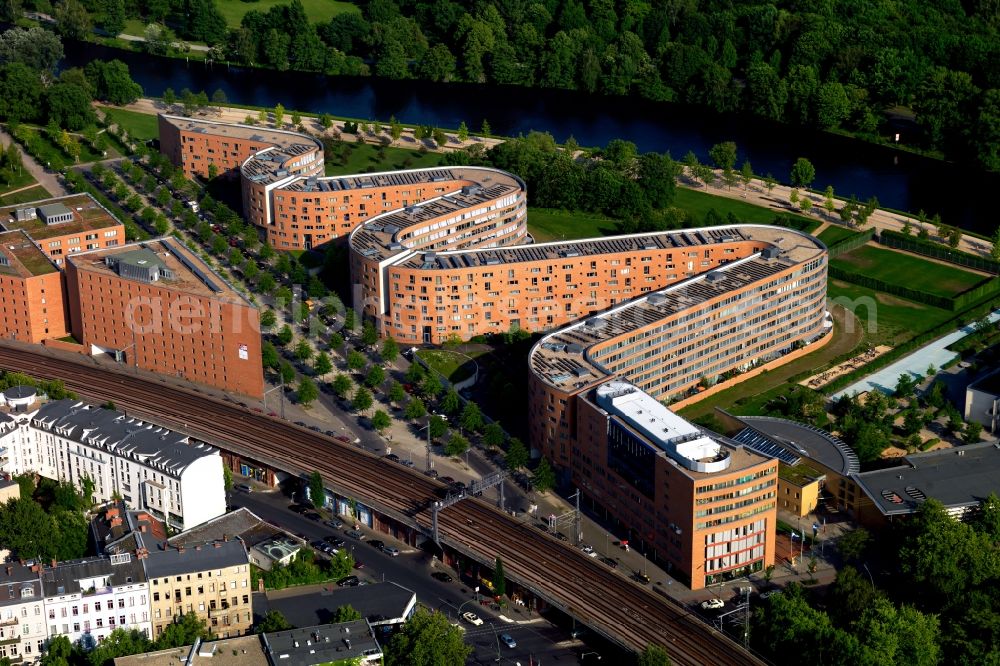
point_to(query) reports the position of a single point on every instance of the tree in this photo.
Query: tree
(375, 377)
(746, 174)
(58, 652)
(954, 237)
(499, 579)
(356, 360)
(362, 400)
(307, 392)
(369, 336)
(285, 335)
(457, 445)
(317, 491)
(169, 97)
(471, 418)
(183, 631)
(803, 173)
(430, 386)
(396, 393)
(973, 432)
(440, 138)
(415, 373)
(654, 655)
(274, 620)
(517, 454)
(493, 435)
(769, 182)
(486, 130)
(724, 155)
(269, 355)
(341, 385)
(544, 477)
(903, 635)
(853, 545)
(390, 350)
(72, 20)
(438, 426)
(463, 132)
(27, 529)
(415, 409)
(279, 114)
(322, 365)
(112, 81)
(995, 250)
(345, 613)
(268, 318)
(380, 421)
(303, 350)
(828, 203)
(427, 639)
(451, 402)
(119, 643)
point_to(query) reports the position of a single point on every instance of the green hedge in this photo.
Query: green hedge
(901, 241)
(942, 302)
(851, 243)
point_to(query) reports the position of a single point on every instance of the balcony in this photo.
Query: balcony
(9, 621)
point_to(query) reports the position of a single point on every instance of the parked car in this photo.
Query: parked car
(589, 550)
(312, 515)
(610, 562)
(508, 640)
(391, 551)
(349, 581)
(472, 618)
(244, 487)
(393, 457)
(713, 604)
(355, 534)
(334, 541)
(376, 544)
(335, 523)
(446, 479)
(442, 576)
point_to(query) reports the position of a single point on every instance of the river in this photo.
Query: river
(899, 179)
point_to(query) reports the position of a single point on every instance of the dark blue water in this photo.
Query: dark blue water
(900, 180)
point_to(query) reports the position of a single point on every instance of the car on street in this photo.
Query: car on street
(318, 544)
(393, 457)
(335, 523)
(358, 564)
(433, 473)
(713, 604)
(243, 487)
(508, 640)
(297, 508)
(640, 577)
(349, 581)
(769, 593)
(472, 618)
(589, 550)
(355, 534)
(391, 551)
(312, 515)
(376, 544)
(301, 424)
(446, 480)
(407, 462)
(610, 562)
(442, 576)
(334, 541)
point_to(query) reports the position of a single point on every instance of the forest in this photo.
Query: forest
(825, 63)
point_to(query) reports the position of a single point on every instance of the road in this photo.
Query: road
(535, 636)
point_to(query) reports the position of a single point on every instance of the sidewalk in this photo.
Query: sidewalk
(46, 179)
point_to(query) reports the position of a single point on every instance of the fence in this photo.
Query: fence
(900, 241)
(850, 243)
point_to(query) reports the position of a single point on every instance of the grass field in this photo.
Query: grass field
(454, 366)
(834, 234)
(907, 270)
(31, 194)
(18, 181)
(697, 204)
(364, 157)
(317, 10)
(138, 125)
(549, 224)
(887, 319)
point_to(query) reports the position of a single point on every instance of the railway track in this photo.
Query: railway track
(566, 577)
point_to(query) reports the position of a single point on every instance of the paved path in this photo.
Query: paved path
(135, 38)
(46, 179)
(934, 353)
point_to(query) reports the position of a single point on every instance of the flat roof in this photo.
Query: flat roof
(988, 384)
(321, 644)
(800, 439)
(24, 259)
(800, 474)
(563, 359)
(316, 604)
(88, 215)
(958, 477)
(241, 522)
(239, 651)
(176, 560)
(190, 274)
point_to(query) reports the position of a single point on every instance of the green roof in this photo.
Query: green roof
(800, 475)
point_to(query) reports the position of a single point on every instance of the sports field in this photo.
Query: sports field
(907, 270)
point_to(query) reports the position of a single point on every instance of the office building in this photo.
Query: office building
(157, 306)
(65, 225)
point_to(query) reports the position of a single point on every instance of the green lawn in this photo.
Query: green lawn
(17, 181)
(35, 193)
(834, 234)
(888, 320)
(549, 224)
(698, 203)
(317, 10)
(140, 126)
(364, 157)
(907, 270)
(454, 366)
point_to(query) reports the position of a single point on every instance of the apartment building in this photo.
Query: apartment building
(210, 579)
(87, 599)
(153, 469)
(63, 226)
(699, 503)
(32, 300)
(23, 630)
(157, 306)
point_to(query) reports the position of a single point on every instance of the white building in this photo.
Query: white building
(175, 478)
(22, 619)
(85, 600)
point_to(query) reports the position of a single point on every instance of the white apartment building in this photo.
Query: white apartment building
(22, 618)
(177, 479)
(85, 600)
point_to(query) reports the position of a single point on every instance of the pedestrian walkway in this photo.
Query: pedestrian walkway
(46, 179)
(932, 354)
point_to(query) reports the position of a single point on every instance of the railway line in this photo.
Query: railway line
(564, 576)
